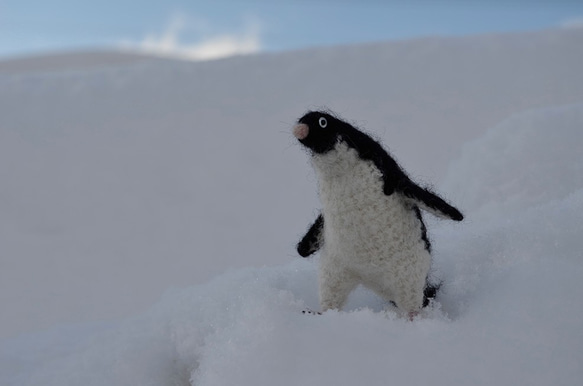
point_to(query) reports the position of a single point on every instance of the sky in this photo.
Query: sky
(212, 29)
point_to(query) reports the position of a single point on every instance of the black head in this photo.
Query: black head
(320, 131)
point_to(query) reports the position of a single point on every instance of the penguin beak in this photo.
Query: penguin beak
(301, 131)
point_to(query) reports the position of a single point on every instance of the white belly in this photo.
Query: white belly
(377, 238)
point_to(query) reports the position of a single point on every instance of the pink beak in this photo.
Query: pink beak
(301, 131)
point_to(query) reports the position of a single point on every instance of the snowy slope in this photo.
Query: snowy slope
(507, 314)
(126, 179)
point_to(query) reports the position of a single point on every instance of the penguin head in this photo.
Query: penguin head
(319, 131)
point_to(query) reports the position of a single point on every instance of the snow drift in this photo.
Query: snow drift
(507, 313)
(118, 184)
(527, 160)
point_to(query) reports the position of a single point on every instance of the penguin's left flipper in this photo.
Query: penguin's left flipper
(429, 201)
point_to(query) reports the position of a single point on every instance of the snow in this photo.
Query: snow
(544, 148)
(70, 61)
(150, 210)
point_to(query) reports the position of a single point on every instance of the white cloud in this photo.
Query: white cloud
(170, 44)
(572, 23)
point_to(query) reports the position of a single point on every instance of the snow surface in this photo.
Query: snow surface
(121, 182)
(70, 61)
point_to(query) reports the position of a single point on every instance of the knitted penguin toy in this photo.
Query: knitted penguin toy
(370, 230)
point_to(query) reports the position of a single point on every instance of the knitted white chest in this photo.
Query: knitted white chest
(366, 231)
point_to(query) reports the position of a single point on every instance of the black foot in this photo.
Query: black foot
(429, 293)
(310, 312)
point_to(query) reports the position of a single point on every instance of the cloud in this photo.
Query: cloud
(170, 43)
(572, 23)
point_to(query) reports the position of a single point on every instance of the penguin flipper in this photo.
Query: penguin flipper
(312, 240)
(429, 201)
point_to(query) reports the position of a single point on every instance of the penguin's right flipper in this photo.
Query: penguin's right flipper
(312, 241)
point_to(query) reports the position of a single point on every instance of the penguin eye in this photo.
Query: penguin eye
(323, 122)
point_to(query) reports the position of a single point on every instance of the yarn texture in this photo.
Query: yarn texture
(371, 230)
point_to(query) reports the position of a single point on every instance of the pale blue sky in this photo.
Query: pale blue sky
(31, 27)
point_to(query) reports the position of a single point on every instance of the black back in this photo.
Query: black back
(326, 130)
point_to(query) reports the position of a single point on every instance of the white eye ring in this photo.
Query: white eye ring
(323, 122)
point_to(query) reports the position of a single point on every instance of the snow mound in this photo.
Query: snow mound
(507, 312)
(527, 160)
(502, 318)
